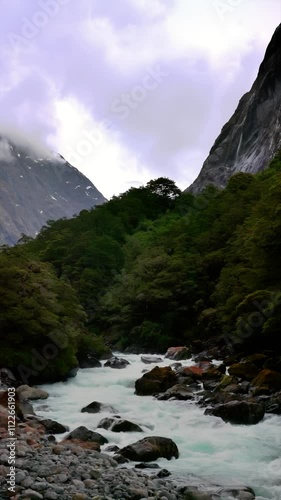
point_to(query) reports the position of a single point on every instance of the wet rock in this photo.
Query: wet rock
(245, 371)
(151, 359)
(191, 371)
(96, 407)
(195, 494)
(238, 412)
(273, 364)
(117, 363)
(112, 448)
(53, 427)
(32, 393)
(178, 391)
(256, 359)
(83, 434)
(119, 425)
(267, 381)
(214, 373)
(155, 381)
(273, 404)
(243, 493)
(150, 448)
(178, 353)
(144, 465)
(88, 360)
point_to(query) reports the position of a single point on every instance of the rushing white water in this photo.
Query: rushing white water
(211, 451)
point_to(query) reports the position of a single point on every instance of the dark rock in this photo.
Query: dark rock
(255, 359)
(178, 353)
(178, 391)
(239, 412)
(213, 373)
(245, 371)
(150, 448)
(112, 448)
(119, 425)
(151, 359)
(53, 427)
(83, 434)
(242, 493)
(155, 381)
(144, 465)
(273, 364)
(120, 459)
(266, 382)
(176, 366)
(273, 404)
(117, 363)
(88, 361)
(96, 407)
(163, 473)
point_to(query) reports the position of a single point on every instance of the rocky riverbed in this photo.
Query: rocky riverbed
(115, 437)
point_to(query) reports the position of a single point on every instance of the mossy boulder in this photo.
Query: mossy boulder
(155, 381)
(245, 371)
(267, 381)
(256, 359)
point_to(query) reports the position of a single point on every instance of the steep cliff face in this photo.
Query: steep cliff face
(253, 134)
(34, 190)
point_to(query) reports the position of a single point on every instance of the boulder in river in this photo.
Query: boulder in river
(267, 381)
(245, 371)
(151, 359)
(53, 427)
(238, 412)
(118, 363)
(32, 393)
(178, 353)
(155, 381)
(240, 493)
(83, 434)
(178, 391)
(150, 448)
(116, 424)
(96, 407)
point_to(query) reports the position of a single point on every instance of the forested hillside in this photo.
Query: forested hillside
(151, 268)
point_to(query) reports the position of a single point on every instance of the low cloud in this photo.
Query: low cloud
(96, 55)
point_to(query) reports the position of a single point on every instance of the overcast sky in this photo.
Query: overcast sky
(129, 90)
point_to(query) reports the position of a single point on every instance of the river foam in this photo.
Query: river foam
(211, 451)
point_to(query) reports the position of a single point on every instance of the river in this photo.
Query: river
(211, 451)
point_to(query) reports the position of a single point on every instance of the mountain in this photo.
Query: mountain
(252, 136)
(35, 188)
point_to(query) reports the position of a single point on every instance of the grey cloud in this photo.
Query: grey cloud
(175, 124)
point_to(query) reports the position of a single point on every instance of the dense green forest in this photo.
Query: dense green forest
(150, 268)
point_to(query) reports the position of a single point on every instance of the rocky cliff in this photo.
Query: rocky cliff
(253, 134)
(35, 189)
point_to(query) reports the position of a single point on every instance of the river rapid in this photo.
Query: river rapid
(211, 451)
